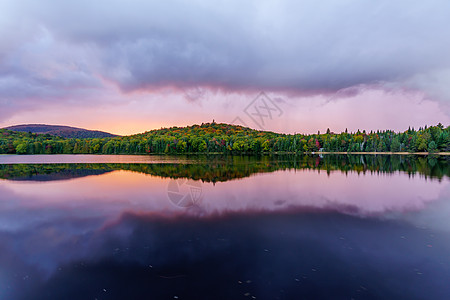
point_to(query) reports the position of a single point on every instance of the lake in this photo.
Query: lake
(224, 227)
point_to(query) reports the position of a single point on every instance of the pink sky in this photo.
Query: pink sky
(128, 113)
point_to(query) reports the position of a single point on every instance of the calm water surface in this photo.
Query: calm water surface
(161, 227)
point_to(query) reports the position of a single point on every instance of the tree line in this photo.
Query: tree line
(225, 138)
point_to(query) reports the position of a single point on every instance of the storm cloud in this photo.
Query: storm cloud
(80, 52)
(300, 45)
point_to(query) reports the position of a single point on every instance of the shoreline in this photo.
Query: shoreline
(251, 154)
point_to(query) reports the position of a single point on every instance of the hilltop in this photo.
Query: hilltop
(61, 131)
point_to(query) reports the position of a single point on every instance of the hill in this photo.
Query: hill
(62, 131)
(230, 139)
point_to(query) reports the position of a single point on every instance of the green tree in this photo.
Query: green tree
(432, 146)
(395, 146)
(21, 148)
(421, 144)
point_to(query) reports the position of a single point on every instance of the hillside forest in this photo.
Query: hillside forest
(226, 138)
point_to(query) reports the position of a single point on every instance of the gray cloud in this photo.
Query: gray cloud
(290, 45)
(43, 68)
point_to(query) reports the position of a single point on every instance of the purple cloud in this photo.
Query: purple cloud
(67, 52)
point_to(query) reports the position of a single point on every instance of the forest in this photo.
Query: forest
(232, 139)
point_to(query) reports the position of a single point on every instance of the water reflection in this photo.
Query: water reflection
(89, 158)
(114, 192)
(288, 229)
(224, 168)
(315, 256)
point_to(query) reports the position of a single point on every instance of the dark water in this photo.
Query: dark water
(337, 227)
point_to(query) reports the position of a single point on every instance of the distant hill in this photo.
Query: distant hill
(62, 131)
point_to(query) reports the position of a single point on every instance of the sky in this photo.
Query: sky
(287, 66)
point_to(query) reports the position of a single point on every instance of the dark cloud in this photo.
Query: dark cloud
(287, 45)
